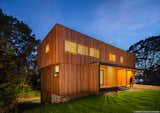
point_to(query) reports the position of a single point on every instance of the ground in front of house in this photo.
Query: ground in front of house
(140, 98)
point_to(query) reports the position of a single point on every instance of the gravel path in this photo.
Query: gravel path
(138, 87)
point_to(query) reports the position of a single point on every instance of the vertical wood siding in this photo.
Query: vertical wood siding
(49, 83)
(64, 33)
(57, 54)
(76, 79)
(78, 73)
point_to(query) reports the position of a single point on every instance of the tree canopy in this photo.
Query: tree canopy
(148, 57)
(18, 48)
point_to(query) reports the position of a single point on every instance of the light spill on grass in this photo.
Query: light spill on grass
(123, 102)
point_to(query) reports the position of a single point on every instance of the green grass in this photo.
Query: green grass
(29, 94)
(123, 102)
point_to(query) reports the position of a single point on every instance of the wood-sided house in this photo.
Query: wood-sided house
(73, 64)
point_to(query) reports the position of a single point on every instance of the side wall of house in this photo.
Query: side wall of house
(75, 72)
(49, 83)
(45, 59)
(78, 73)
(77, 79)
(46, 63)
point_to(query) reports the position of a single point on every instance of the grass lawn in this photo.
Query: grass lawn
(29, 96)
(123, 102)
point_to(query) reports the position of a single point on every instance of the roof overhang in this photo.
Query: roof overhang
(114, 65)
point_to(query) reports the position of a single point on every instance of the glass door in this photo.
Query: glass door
(101, 77)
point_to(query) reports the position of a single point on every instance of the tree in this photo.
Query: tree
(17, 59)
(148, 57)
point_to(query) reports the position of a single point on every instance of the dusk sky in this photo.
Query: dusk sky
(117, 22)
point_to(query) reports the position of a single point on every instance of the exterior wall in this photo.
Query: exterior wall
(57, 54)
(46, 59)
(64, 33)
(73, 81)
(77, 79)
(49, 83)
(79, 74)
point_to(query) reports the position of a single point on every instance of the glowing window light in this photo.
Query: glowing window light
(70, 47)
(83, 50)
(47, 48)
(101, 77)
(112, 57)
(75, 48)
(91, 52)
(121, 59)
(94, 53)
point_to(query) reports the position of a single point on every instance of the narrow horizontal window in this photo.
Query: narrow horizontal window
(70, 47)
(75, 48)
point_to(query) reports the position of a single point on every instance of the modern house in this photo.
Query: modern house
(73, 64)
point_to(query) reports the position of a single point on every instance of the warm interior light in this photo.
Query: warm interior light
(56, 69)
(94, 52)
(111, 76)
(121, 59)
(71, 47)
(75, 48)
(47, 48)
(83, 50)
(129, 75)
(112, 57)
(121, 74)
(101, 77)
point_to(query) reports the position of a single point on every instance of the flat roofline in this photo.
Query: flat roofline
(91, 37)
(114, 65)
(86, 36)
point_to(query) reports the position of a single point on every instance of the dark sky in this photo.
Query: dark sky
(118, 22)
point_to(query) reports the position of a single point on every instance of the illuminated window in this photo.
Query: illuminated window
(70, 47)
(121, 59)
(94, 52)
(112, 57)
(75, 48)
(91, 52)
(83, 50)
(47, 48)
(101, 77)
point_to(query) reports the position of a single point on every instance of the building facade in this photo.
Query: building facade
(73, 64)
